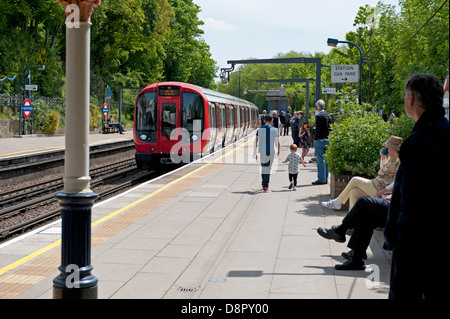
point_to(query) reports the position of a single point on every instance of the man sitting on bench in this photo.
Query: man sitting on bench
(119, 126)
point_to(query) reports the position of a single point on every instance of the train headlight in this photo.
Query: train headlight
(194, 138)
(143, 137)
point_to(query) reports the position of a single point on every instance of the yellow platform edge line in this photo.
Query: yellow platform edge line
(29, 257)
(104, 219)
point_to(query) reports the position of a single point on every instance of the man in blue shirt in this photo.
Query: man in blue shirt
(267, 137)
(323, 122)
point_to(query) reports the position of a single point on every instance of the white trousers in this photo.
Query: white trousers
(356, 188)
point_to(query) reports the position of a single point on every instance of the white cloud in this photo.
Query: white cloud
(212, 24)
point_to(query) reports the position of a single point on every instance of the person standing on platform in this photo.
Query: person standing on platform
(267, 139)
(282, 122)
(301, 120)
(288, 123)
(276, 120)
(295, 129)
(262, 116)
(418, 215)
(323, 122)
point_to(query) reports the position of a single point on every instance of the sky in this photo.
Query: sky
(260, 29)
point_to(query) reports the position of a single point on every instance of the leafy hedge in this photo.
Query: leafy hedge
(94, 116)
(47, 118)
(357, 139)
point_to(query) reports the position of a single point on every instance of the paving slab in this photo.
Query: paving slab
(216, 235)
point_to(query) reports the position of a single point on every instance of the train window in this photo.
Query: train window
(231, 113)
(222, 117)
(146, 112)
(218, 125)
(192, 117)
(169, 119)
(212, 116)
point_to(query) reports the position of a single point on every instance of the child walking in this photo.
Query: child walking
(294, 160)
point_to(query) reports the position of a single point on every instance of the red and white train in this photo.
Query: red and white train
(177, 122)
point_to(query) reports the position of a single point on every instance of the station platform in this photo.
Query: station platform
(207, 231)
(14, 146)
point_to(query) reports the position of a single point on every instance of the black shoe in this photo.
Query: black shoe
(329, 233)
(351, 265)
(318, 183)
(349, 254)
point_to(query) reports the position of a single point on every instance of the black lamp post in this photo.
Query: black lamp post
(27, 95)
(333, 43)
(76, 280)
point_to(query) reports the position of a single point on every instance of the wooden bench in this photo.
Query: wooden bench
(109, 128)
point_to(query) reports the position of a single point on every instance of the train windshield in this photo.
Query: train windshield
(146, 112)
(192, 117)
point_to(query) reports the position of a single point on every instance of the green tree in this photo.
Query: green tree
(397, 45)
(187, 55)
(30, 34)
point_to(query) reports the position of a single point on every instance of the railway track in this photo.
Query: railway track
(25, 208)
(28, 167)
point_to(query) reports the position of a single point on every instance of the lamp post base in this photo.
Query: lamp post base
(86, 288)
(76, 280)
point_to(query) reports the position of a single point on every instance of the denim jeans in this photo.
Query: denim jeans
(322, 168)
(266, 165)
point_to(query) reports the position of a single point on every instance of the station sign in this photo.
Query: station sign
(329, 90)
(345, 73)
(31, 87)
(105, 110)
(27, 108)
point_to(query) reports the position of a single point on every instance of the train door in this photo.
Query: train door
(192, 122)
(223, 123)
(236, 123)
(219, 128)
(212, 127)
(169, 118)
(246, 119)
(229, 124)
(242, 121)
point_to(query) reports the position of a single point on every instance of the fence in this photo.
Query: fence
(15, 101)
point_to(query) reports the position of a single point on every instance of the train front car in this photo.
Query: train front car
(170, 120)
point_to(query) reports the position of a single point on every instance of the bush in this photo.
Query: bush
(40, 114)
(403, 126)
(355, 144)
(52, 122)
(94, 115)
(43, 120)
